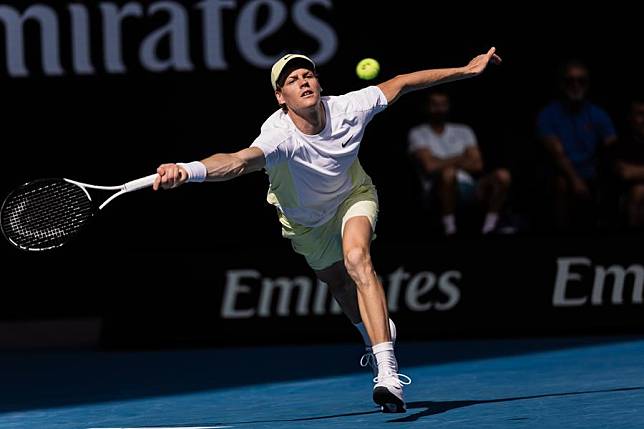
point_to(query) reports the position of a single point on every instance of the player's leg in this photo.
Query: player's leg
(356, 240)
(344, 291)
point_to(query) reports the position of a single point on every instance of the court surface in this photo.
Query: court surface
(540, 383)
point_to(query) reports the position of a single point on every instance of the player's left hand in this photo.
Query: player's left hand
(480, 62)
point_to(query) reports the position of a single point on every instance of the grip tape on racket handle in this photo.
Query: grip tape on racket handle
(143, 182)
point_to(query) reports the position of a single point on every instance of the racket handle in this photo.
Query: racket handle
(143, 182)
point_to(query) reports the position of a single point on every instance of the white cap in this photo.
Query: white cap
(280, 64)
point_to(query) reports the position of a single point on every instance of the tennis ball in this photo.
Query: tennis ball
(368, 69)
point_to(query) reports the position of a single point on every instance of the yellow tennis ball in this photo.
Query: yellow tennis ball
(368, 69)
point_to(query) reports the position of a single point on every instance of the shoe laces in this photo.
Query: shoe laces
(388, 368)
(402, 378)
(368, 359)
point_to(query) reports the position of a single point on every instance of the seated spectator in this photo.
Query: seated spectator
(451, 166)
(574, 131)
(630, 165)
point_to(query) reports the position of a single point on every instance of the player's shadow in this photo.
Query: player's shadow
(430, 408)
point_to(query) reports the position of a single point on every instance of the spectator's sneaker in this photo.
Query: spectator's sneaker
(368, 359)
(388, 391)
(508, 229)
(507, 225)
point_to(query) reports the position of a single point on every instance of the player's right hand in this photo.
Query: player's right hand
(170, 176)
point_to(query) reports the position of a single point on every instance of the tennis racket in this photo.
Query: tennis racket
(47, 213)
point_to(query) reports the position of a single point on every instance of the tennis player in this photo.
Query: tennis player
(326, 203)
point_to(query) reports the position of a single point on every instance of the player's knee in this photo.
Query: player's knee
(357, 260)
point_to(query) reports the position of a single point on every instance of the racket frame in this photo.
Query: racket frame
(133, 185)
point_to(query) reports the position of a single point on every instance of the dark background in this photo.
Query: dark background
(107, 129)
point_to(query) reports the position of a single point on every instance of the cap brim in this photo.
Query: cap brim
(294, 64)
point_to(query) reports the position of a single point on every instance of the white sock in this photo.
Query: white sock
(385, 358)
(365, 336)
(449, 223)
(490, 222)
(363, 331)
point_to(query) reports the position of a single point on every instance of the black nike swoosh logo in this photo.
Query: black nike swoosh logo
(347, 142)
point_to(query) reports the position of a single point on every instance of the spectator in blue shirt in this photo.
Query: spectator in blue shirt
(574, 131)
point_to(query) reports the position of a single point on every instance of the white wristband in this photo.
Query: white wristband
(197, 171)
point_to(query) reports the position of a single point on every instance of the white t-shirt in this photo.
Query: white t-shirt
(453, 141)
(311, 175)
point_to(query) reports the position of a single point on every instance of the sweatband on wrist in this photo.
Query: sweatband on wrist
(197, 171)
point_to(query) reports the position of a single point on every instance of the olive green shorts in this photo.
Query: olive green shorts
(322, 245)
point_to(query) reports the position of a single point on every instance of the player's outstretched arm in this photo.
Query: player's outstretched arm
(215, 168)
(402, 84)
(224, 166)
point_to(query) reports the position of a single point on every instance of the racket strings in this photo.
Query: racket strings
(45, 214)
(51, 204)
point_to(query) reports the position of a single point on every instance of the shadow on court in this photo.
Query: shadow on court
(52, 379)
(430, 408)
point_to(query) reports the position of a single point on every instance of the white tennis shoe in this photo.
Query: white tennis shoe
(388, 390)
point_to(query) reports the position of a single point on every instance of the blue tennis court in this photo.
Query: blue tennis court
(556, 382)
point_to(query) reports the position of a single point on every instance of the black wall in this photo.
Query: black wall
(107, 128)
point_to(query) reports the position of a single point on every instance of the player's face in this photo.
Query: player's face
(301, 90)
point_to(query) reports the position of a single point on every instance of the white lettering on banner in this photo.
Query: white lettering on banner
(212, 41)
(81, 49)
(257, 20)
(233, 289)
(418, 286)
(572, 269)
(395, 283)
(450, 289)
(316, 28)
(14, 38)
(249, 36)
(619, 277)
(249, 294)
(177, 32)
(285, 286)
(112, 31)
(564, 275)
